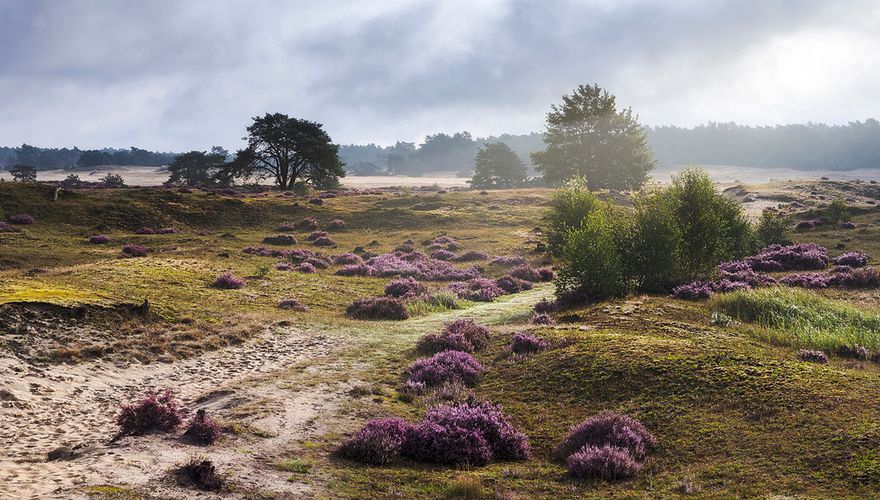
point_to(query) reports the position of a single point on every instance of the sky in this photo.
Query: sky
(178, 75)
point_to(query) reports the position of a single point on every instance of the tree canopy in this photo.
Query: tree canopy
(23, 173)
(288, 151)
(497, 166)
(198, 168)
(587, 135)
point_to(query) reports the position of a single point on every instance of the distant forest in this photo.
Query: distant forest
(810, 146)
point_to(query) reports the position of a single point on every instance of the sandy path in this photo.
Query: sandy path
(43, 408)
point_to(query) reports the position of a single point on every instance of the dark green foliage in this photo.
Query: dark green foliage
(198, 168)
(23, 173)
(112, 180)
(772, 230)
(593, 262)
(497, 166)
(569, 205)
(587, 135)
(837, 212)
(651, 243)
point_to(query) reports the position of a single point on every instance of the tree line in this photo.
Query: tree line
(75, 158)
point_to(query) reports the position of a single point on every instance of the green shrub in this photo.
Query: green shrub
(569, 205)
(837, 212)
(772, 230)
(592, 259)
(652, 244)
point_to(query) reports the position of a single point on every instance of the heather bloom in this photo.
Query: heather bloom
(379, 442)
(477, 334)
(405, 288)
(286, 227)
(852, 259)
(545, 306)
(99, 239)
(806, 280)
(453, 445)
(799, 257)
(477, 289)
(309, 224)
(442, 254)
(541, 319)
(546, 274)
(317, 234)
(280, 239)
(445, 243)
(361, 269)
(348, 259)
(463, 335)
(812, 356)
(865, 277)
(145, 230)
(446, 367)
(202, 428)
(513, 285)
(292, 305)
(381, 308)
(693, 291)
(228, 281)
(855, 351)
(507, 260)
(318, 262)
(472, 255)
(526, 343)
(607, 462)
(132, 250)
(20, 219)
(5, 227)
(336, 225)
(325, 241)
(528, 273)
(503, 439)
(415, 265)
(305, 267)
(166, 230)
(155, 412)
(611, 429)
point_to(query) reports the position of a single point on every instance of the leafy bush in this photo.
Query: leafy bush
(592, 262)
(445, 367)
(526, 343)
(202, 428)
(20, 219)
(228, 281)
(569, 206)
(280, 240)
(772, 229)
(812, 356)
(112, 180)
(155, 412)
(405, 288)
(608, 428)
(379, 308)
(379, 442)
(852, 259)
(99, 239)
(836, 212)
(651, 243)
(606, 462)
(132, 250)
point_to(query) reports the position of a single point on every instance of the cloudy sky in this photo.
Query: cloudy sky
(188, 74)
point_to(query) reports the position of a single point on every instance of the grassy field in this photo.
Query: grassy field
(735, 412)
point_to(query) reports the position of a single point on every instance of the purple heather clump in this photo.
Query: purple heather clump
(286, 227)
(228, 281)
(20, 219)
(280, 240)
(132, 250)
(546, 274)
(414, 265)
(378, 308)
(527, 273)
(317, 234)
(765, 264)
(433, 443)
(526, 343)
(405, 288)
(507, 260)
(99, 239)
(812, 356)
(840, 269)
(361, 269)
(541, 319)
(380, 441)
(471, 256)
(324, 241)
(463, 335)
(336, 225)
(545, 306)
(608, 428)
(852, 259)
(327, 194)
(806, 280)
(855, 351)
(145, 230)
(726, 285)
(155, 412)
(347, 259)
(319, 262)
(284, 266)
(5, 227)
(292, 305)
(444, 242)
(610, 463)
(166, 230)
(202, 429)
(308, 224)
(798, 257)
(446, 367)
(306, 268)
(696, 290)
(477, 289)
(442, 254)
(513, 285)
(863, 277)
(477, 334)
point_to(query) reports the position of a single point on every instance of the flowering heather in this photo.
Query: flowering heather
(336, 225)
(325, 241)
(286, 227)
(806, 280)
(280, 239)
(477, 289)
(444, 242)
(507, 260)
(306, 268)
(726, 285)
(379, 442)
(5, 227)
(99, 239)
(20, 219)
(404, 249)
(799, 257)
(513, 285)
(132, 250)
(526, 272)
(611, 429)
(541, 319)
(487, 419)
(202, 428)
(414, 265)
(852, 259)
(477, 334)
(471, 256)
(308, 224)
(526, 343)
(864, 277)
(854, 351)
(607, 462)
(545, 306)
(361, 269)
(445, 367)
(405, 288)
(383, 308)
(145, 230)
(317, 234)
(812, 356)
(348, 259)
(463, 335)
(155, 412)
(442, 254)
(316, 201)
(167, 230)
(284, 266)
(327, 194)
(696, 290)
(228, 281)
(318, 261)
(546, 274)
(292, 305)
(453, 445)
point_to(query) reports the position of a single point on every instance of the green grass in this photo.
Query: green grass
(801, 318)
(293, 465)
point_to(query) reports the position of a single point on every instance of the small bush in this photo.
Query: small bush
(155, 412)
(508, 260)
(443, 255)
(286, 227)
(864, 278)
(305, 267)
(696, 290)
(336, 225)
(378, 308)
(610, 463)
(463, 335)
(471, 256)
(607, 428)
(852, 259)
(854, 351)
(202, 428)
(379, 442)
(836, 212)
(317, 234)
(228, 281)
(292, 305)
(541, 319)
(324, 241)
(20, 219)
(132, 250)
(433, 443)
(308, 224)
(526, 343)
(812, 356)
(280, 240)
(348, 259)
(99, 239)
(445, 367)
(806, 280)
(569, 206)
(489, 420)
(112, 180)
(200, 474)
(772, 229)
(405, 288)
(592, 263)
(477, 289)
(545, 306)
(513, 285)
(145, 230)
(477, 334)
